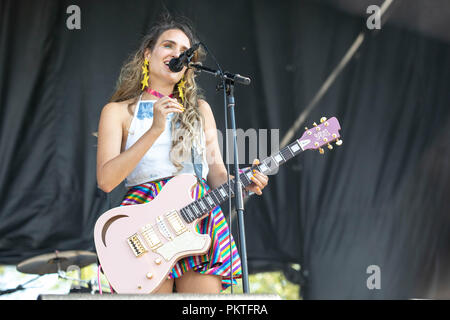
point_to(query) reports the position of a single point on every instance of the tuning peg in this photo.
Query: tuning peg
(338, 142)
(323, 119)
(330, 146)
(321, 151)
(315, 124)
(306, 128)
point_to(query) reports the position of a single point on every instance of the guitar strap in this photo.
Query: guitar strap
(198, 167)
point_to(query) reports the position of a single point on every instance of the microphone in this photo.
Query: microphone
(177, 64)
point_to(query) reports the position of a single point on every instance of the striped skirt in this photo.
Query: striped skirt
(217, 261)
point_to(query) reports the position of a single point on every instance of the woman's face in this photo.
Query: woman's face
(170, 44)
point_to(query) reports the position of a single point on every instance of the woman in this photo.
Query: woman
(146, 134)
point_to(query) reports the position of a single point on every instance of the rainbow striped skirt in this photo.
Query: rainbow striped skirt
(217, 261)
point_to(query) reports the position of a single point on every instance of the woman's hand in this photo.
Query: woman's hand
(161, 109)
(259, 179)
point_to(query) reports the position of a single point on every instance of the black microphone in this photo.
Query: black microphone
(177, 64)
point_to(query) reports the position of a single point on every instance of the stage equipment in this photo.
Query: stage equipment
(19, 287)
(57, 262)
(228, 81)
(177, 64)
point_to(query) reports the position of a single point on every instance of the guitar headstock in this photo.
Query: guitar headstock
(323, 134)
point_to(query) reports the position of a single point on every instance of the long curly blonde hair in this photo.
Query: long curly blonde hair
(187, 127)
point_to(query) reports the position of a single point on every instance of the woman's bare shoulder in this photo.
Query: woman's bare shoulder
(204, 107)
(208, 115)
(118, 109)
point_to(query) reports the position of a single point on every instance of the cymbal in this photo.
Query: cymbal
(57, 261)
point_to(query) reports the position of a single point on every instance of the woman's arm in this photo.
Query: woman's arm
(112, 166)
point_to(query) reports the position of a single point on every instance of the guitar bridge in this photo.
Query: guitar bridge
(137, 245)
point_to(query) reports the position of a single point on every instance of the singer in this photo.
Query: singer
(156, 126)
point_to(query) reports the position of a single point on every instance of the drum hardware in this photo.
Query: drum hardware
(54, 262)
(19, 287)
(57, 262)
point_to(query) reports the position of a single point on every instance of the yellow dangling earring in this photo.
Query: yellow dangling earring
(144, 81)
(181, 86)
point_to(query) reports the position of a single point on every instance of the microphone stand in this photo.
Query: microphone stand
(229, 79)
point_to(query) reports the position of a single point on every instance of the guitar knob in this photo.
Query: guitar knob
(158, 260)
(149, 275)
(338, 142)
(321, 151)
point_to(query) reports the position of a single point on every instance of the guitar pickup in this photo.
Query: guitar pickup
(176, 223)
(151, 237)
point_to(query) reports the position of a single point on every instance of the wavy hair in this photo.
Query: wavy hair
(187, 127)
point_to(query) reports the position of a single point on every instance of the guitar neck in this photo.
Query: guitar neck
(202, 206)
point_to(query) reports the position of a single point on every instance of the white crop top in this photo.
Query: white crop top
(156, 164)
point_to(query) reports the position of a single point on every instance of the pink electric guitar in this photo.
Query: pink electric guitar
(138, 245)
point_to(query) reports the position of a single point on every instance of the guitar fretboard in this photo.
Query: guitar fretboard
(215, 197)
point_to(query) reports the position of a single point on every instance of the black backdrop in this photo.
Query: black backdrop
(380, 199)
